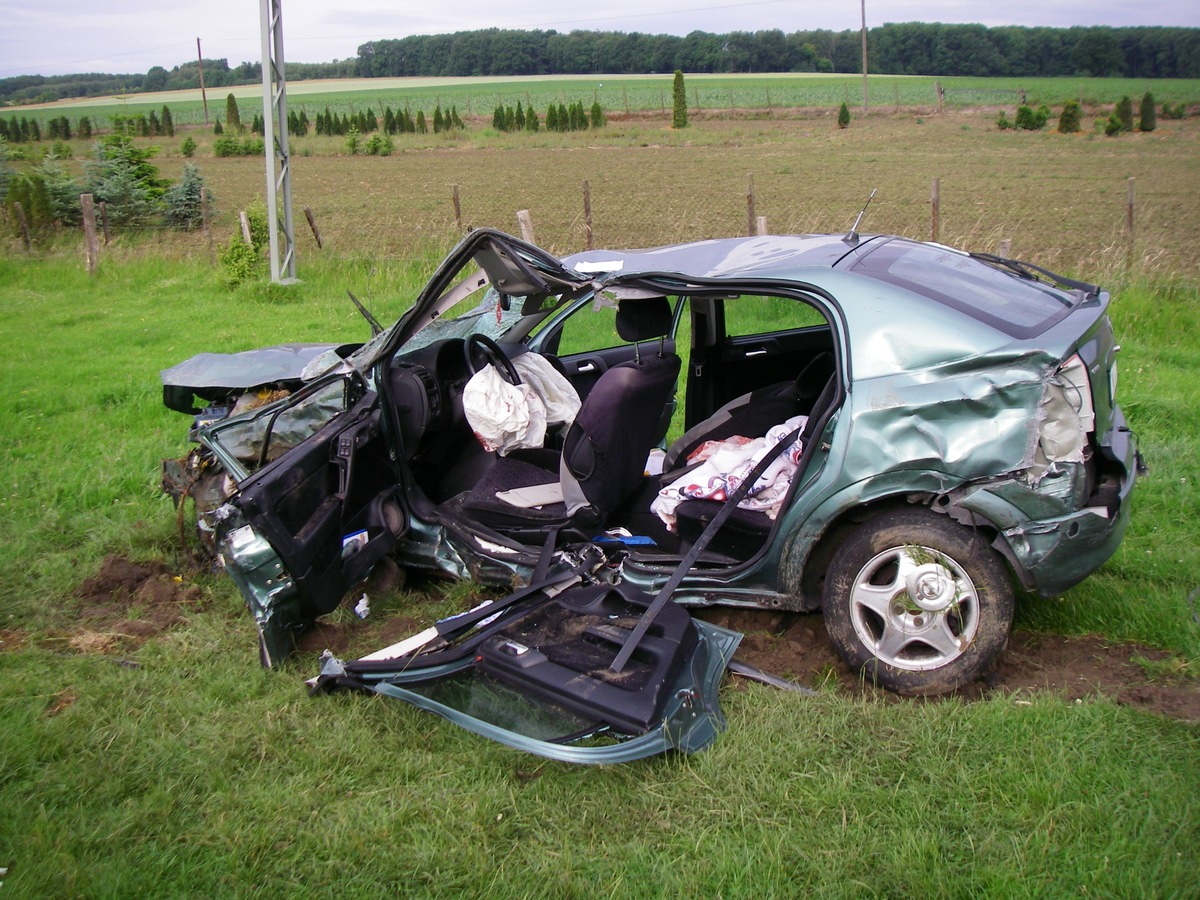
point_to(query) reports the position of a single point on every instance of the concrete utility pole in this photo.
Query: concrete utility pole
(279, 170)
(864, 53)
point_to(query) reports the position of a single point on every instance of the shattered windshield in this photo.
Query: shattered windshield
(241, 440)
(487, 317)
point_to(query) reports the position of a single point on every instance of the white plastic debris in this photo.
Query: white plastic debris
(362, 608)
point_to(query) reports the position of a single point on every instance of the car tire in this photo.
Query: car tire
(917, 603)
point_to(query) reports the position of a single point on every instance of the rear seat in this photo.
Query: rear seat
(745, 531)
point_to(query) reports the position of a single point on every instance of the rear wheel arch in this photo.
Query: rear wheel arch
(916, 600)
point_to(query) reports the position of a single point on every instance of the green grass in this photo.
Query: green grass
(181, 768)
(197, 774)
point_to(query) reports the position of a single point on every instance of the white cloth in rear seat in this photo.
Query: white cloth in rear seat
(725, 464)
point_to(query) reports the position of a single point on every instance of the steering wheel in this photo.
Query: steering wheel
(481, 350)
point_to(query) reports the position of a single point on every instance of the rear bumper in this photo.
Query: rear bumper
(1052, 555)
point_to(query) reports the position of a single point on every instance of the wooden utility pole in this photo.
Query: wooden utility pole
(203, 96)
(864, 54)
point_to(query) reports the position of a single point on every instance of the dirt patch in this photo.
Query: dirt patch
(796, 646)
(126, 603)
(363, 637)
(12, 639)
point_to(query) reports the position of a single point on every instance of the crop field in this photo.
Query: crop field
(143, 752)
(1060, 200)
(784, 95)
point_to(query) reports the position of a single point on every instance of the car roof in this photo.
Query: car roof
(928, 281)
(762, 256)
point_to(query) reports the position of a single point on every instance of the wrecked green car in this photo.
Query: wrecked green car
(898, 434)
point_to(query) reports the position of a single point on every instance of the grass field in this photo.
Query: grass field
(144, 752)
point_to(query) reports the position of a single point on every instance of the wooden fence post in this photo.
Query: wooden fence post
(526, 223)
(312, 224)
(104, 221)
(245, 220)
(935, 206)
(1129, 218)
(204, 218)
(587, 215)
(457, 208)
(91, 247)
(20, 211)
(750, 217)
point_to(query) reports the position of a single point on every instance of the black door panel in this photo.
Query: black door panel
(329, 507)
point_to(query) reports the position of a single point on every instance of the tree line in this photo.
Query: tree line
(909, 48)
(912, 48)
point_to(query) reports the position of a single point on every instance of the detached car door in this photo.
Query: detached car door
(317, 487)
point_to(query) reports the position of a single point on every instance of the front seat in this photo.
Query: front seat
(604, 452)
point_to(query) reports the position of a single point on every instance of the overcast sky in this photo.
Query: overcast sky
(130, 36)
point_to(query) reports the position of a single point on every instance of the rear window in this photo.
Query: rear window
(1018, 306)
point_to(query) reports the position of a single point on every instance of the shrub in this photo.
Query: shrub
(1174, 113)
(1029, 119)
(1069, 121)
(62, 192)
(230, 145)
(1003, 122)
(122, 176)
(353, 141)
(1124, 113)
(380, 145)
(188, 147)
(1147, 120)
(184, 201)
(31, 192)
(679, 111)
(241, 260)
(232, 116)
(843, 118)
(597, 116)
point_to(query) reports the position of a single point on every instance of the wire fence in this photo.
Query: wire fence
(1088, 226)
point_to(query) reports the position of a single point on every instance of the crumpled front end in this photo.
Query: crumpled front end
(270, 593)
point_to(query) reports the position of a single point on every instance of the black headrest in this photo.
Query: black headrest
(643, 319)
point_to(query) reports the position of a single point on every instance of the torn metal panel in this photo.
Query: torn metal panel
(537, 679)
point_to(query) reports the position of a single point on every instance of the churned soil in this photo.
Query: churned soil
(795, 646)
(127, 603)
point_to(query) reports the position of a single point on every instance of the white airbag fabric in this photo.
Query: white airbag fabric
(507, 417)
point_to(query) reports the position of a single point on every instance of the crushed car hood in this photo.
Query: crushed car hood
(214, 375)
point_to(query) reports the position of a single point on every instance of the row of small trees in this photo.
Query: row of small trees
(560, 117)
(120, 175)
(402, 122)
(1070, 121)
(24, 130)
